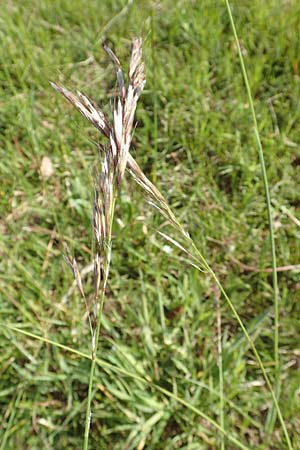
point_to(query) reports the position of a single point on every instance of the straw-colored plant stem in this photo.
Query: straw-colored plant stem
(95, 343)
(272, 415)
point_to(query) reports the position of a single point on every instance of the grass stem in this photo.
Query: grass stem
(95, 344)
(220, 365)
(95, 339)
(250, 341)
(271, 420)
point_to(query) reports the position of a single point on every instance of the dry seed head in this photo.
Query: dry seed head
(115, 156)
(143, 181)
(97, 115)
(122, 162)
(103, 200)
(120, 134)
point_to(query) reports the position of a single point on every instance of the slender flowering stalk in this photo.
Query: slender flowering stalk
(272, 413)
(114, 161)
(158, 201)
(116, 158)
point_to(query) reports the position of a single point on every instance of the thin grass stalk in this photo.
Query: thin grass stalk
(251, 343)
(95, 341)
(167, 213)
(88, 415)
(161, 308)
(104, 364)
(209, 269)
(257, 357)
(220, 365)
(155, 84)
(95, 346)
(272, 417)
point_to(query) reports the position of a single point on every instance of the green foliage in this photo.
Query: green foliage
(194, 139)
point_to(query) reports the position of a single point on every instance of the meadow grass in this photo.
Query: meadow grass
(194, 139)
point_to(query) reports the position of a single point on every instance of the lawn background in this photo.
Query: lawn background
(194, 140)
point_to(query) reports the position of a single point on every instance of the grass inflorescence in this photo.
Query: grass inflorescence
(175, 367)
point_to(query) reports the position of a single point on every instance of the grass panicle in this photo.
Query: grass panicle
(114, 162)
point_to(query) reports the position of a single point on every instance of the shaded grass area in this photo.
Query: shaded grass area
(194, 139)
